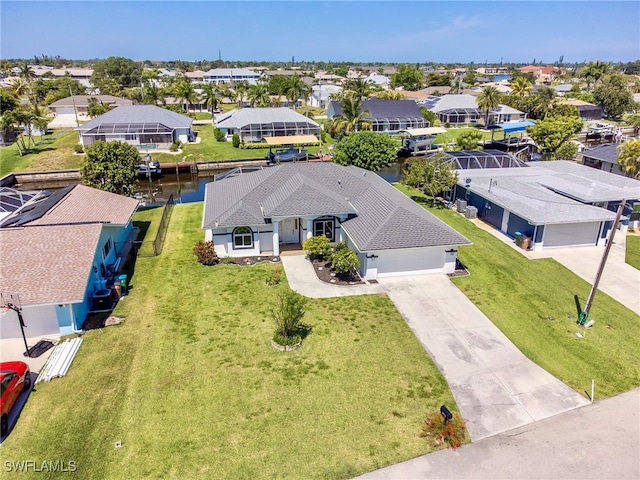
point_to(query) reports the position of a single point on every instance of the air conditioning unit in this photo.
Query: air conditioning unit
(472, 212)
(461, 205)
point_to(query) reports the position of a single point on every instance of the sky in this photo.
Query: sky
(516, 31)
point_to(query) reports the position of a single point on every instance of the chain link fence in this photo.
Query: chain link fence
(153, 248)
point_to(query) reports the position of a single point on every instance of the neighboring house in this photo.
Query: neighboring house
(462, 109)
(144, 126)
(256, 124)
(82, 75)
(198, 105)
(229, 75)
(563, 88)
(386, 116)
(603, 157)
(556, 204)
(380, 80)
(254, 213)
(543, 74)
(197, 76)
(60, 254)
(79, 103)
(320, 95)
(588, 111)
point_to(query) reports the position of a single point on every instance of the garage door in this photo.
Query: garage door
(39, 320)
(409, 261)
(571, 234)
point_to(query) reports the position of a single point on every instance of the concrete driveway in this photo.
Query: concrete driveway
(619, 280)
(599, 441)
(495, 386)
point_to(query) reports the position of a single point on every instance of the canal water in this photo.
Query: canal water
(185, 187)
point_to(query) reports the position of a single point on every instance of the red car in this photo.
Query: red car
(15, 378)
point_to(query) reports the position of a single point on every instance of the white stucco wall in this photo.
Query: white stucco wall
(223, 241)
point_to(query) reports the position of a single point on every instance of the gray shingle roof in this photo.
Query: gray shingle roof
(126, 114)
(605, 153)
(83, 101)
(381, 217)
(544, 193)
(248, 116)
(386, 108)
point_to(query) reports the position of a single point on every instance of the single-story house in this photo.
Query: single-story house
(144, 126)
(556, 204)
(78, 104)
(603, 157)
(256, 124)
(60, 252)
(254, 213)
(462, 109)
(386, 116)
(80, 74)
(320, 94)
(198, 105)
(588, 111)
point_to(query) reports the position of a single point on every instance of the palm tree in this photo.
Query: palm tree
(488, 99)
(352, 118)
(26, 73)
(295, 89)
(240, 89)
(19, 87)
(545, 99)
(360, 87)
(521, 87)
(183, 91)
(212, 96)
(594, 72)
(152, 94)
(259, 95)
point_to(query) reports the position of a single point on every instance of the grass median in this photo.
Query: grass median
(191, 386)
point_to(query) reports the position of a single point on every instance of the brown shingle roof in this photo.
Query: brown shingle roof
(89, 205)
(48, 265)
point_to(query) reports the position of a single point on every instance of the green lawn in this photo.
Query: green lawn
(453, 133)
(148, 221)
(519, 295)
(51, 152)
(632, 256)
(192, 387)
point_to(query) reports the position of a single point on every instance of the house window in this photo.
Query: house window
(107, 248)
(324, 226)
(242, 237)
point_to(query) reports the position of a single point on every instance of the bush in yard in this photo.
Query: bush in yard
(343, 259)
(288, 317)
(219, 135)
(317, 247)
(78, 148)
(235, 140)
(451, 434)
(274, 278)
(206, 253)
(173, 147)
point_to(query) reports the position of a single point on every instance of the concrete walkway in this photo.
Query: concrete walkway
(495, 386)
(599, 441)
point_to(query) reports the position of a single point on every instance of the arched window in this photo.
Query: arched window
(242, 237)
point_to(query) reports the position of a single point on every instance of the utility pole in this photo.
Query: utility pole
(75, 110)
(584, 315)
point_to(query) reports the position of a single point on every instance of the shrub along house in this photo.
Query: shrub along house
(147, 127)
(60, 252)
(556, 204)
(255, 213)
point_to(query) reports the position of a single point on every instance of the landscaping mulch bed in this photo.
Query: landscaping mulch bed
(461, 270)
(247, 261)
(325, 274)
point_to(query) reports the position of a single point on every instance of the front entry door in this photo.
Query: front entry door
(290, 233)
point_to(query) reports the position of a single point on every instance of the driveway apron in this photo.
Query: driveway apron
(495, 386)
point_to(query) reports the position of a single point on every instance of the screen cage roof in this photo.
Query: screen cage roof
(481, 159)
(128, 128)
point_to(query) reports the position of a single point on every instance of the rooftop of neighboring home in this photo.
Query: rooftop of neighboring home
(384, 108)
(73, 205)
(231, 72)
(48, 264)
(140, 114)
(61, 72)
(378, 214)
(238, 118)
(83, 101)
(196, 74)
(607, 152)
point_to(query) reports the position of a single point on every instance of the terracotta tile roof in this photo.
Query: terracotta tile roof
(89, 205)
(48, 265)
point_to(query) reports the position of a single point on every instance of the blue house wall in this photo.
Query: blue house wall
(519, 224)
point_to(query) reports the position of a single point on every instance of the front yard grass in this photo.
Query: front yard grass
(632, 254)
(532, 303)
(191, 386)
